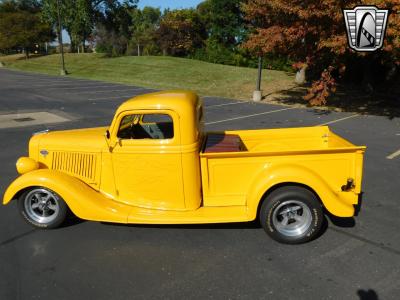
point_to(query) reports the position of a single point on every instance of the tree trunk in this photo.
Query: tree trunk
(74, 43)
(368, 78)
(138, 49)
(26, 53)
(391, 73)
(301, 75)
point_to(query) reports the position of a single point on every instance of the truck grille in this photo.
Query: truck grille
(77, 164)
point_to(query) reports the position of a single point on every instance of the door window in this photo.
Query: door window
(146, 126)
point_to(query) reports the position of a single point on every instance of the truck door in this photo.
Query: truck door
(147, 159)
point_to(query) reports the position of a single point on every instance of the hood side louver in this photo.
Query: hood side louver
(82, 165)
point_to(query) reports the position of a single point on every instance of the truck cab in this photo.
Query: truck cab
(153, 148)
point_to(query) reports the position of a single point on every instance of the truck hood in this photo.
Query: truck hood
(87, 140)
(75, 152)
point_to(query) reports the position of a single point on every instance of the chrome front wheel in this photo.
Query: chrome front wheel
(42, 207)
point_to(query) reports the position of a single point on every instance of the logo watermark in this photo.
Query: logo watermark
(366, 26)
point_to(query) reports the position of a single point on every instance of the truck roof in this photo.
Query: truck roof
(181, 101)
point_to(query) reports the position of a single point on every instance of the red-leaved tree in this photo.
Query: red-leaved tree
(312, 32)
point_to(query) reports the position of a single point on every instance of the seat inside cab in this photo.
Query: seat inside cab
(221, 142)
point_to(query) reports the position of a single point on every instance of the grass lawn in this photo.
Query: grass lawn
(160, 72)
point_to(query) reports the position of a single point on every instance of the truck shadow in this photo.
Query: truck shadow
(71, 220)
(328, 218)
(341, 222)
(359, 205)
(345, 222)
(253, 225)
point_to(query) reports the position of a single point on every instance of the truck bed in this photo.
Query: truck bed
(275, 141)
(233, 161)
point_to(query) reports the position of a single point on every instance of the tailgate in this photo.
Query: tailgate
(340, 144)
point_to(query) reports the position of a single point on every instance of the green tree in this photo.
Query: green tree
(224, 19)
(113, 26)
(77, 17)
(82, 22)
(181, 32)
(144, 25)
(80, 17)
(22, 26)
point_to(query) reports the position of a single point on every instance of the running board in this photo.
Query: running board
(198, 216)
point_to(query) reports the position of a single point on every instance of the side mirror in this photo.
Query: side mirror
(107, 134)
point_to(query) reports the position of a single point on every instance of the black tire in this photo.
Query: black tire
(291, 215)
(42, 208)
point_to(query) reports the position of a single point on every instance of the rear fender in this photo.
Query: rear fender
(84, 202)
(336, 202)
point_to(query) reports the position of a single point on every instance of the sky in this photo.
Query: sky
(169, 3)
(156, 3)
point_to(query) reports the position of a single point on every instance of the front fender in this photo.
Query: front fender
(84, 202)
(336, 202)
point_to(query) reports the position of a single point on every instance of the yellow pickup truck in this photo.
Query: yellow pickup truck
(155, 165)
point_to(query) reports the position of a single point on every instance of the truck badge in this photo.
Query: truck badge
(44, 152)
(366, 26)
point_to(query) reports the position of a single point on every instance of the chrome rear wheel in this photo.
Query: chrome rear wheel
(291, 215)
(292, 218)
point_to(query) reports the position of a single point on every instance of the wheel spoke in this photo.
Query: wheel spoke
(290, 209)
(295, 208)
(52, 206)
(284, 211)
(285, 221)
(298, 218)
(35, 205)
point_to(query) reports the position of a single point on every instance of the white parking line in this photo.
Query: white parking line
(104, 91)
(224, 104)
(36, 77)
(61, 85)
(116, 97)
(393, 155)
(81, 87)
(338, 120)
(33, 80)
(49, 80)
(250, 116)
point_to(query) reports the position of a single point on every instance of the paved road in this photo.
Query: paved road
(355, 258)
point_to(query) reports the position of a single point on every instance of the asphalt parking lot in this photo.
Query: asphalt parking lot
(355, 258)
